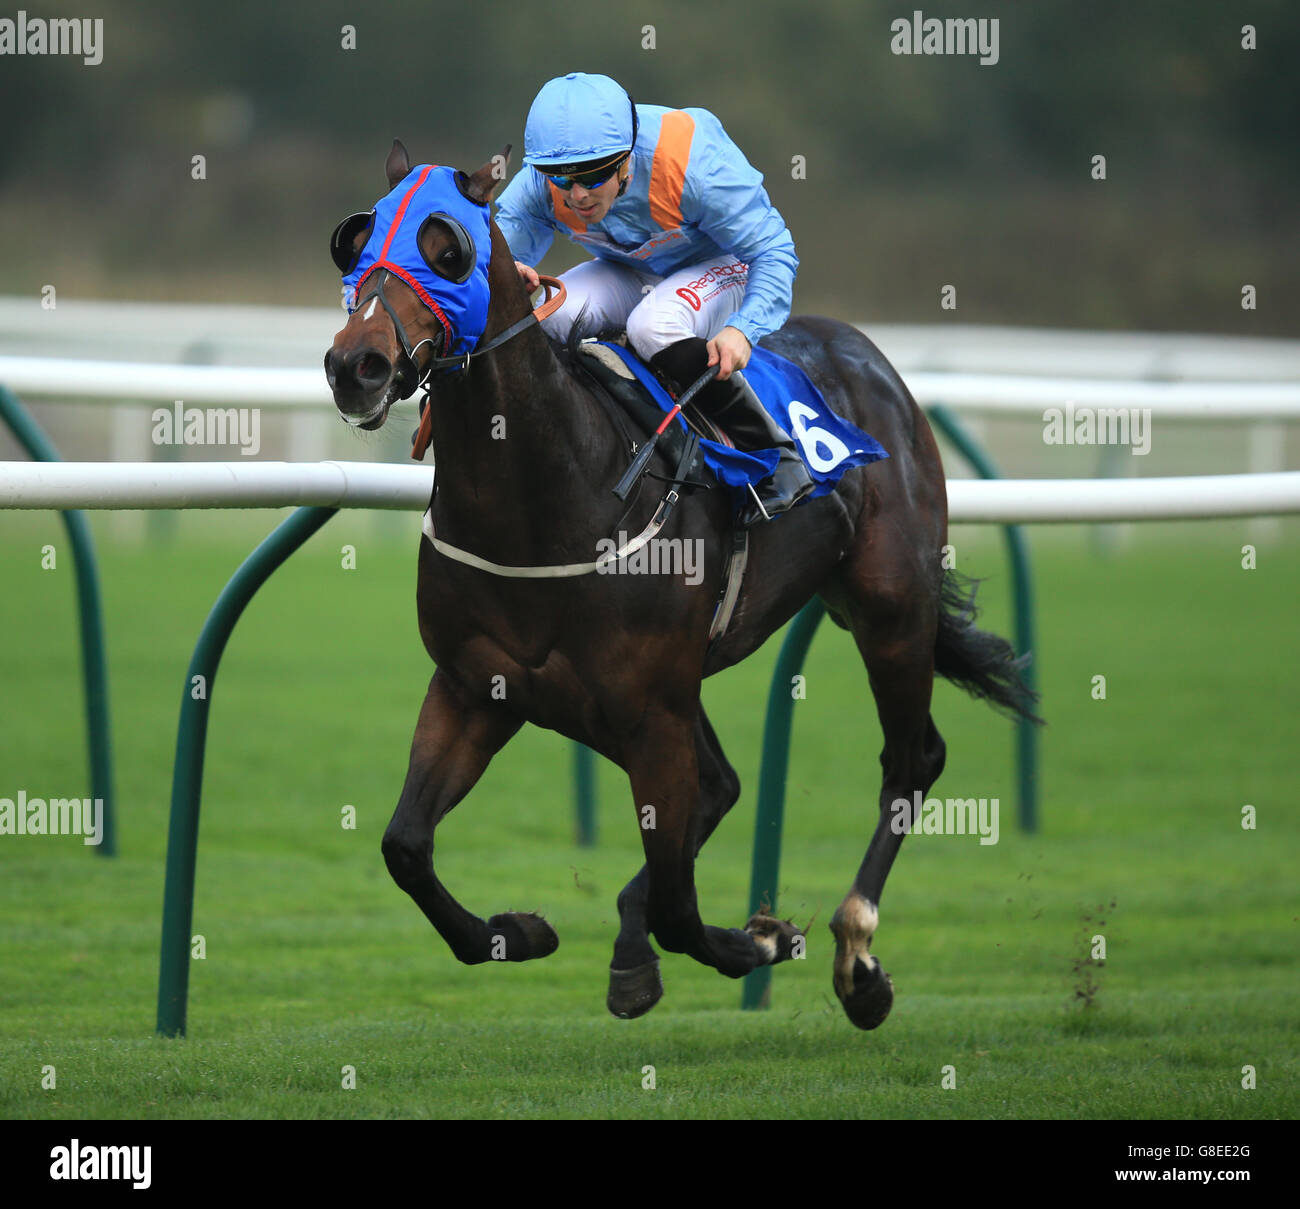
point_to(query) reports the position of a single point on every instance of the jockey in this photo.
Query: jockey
(691, 258)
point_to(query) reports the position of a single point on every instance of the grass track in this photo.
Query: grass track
(315, 960)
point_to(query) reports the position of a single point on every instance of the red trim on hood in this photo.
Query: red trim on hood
(420, 292)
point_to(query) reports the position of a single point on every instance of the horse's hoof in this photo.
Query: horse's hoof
(634, 992)
(526, 936)
(775, 938)
(872, 996)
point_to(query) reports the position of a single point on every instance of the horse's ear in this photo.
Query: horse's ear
(397, 165)
(482, 185)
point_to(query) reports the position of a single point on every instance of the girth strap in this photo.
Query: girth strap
(556, 571)
(737, 561)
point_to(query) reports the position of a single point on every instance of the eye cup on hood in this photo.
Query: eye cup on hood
(342, 243)
(467, 256)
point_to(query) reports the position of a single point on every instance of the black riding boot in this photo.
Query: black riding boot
(734, 407)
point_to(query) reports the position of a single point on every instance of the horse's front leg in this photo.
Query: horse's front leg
(664, 771)
(635, 984)
(454, 740)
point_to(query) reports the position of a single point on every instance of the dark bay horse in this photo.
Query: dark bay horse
(526, 456)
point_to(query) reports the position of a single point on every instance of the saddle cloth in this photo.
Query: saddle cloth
(828, 444)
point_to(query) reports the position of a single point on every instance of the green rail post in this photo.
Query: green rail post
(771, 783)
(584, 789)
(94, 665)
(187, 774)
(1022, 582)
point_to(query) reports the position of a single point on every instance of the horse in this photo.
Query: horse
(525, 453)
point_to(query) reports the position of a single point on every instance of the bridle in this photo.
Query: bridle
(549, 305)
(409, 365)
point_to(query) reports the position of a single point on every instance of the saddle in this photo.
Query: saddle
(619, 384)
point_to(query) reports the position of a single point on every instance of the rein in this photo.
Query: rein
(556, 292)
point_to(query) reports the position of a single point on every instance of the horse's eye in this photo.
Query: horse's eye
(450, 255)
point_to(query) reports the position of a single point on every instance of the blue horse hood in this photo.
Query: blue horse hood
(431, 192)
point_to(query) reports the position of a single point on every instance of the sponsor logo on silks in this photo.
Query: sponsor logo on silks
(606, 249)
(78, 1161)
(739, 269)
(690, 296)
(648, 248)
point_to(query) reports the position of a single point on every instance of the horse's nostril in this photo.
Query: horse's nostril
(372, 366)
(371, 369)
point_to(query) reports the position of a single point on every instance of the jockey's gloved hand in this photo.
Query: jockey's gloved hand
(529, 275)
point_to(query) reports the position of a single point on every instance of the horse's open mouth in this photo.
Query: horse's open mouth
(371, 424)
(372, 419)
(364, 387)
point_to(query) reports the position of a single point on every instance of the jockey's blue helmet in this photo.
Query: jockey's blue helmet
(579, 123)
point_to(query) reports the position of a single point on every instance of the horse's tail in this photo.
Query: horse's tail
(984, 664)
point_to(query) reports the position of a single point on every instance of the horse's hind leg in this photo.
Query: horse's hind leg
(454, 741)
(894, 618)
(635, 985)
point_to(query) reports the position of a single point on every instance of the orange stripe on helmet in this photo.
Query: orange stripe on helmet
(668, 173)
(562, 212)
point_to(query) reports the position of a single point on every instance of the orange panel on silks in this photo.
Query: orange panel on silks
(668, 174)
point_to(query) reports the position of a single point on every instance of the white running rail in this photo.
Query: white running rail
(990, 394)
(131, 485)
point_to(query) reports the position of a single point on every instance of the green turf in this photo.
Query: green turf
(315, 961)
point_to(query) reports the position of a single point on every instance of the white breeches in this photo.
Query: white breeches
(656, 311)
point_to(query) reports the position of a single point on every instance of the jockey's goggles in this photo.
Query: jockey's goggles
(588, 180)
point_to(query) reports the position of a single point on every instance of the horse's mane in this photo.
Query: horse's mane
(566, 351)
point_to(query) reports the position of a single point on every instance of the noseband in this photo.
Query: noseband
(408, 366)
